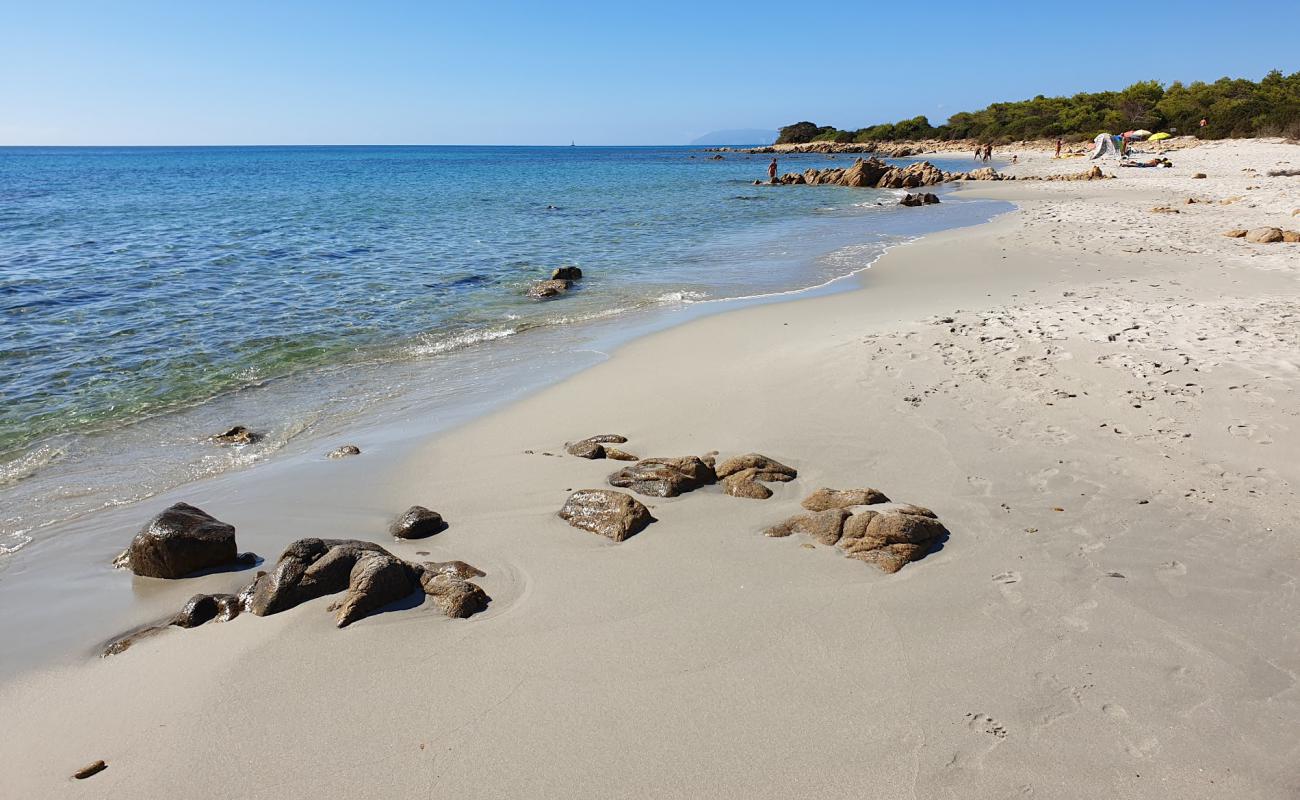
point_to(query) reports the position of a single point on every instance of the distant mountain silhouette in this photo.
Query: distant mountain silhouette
(741, 136)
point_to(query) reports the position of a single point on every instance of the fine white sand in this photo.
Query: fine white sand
(1098, 401)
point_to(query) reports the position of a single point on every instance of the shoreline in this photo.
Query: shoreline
(1111, 609)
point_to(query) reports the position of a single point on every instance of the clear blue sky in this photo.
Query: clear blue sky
(545, 72)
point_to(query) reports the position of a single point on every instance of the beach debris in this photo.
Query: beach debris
(886, 534)
(611, 514)
(1165, 210)
(552, 288)
(417, 522)
(918, 199)
(238, 436)
(1199, 175)
(180, 541)
(598, 447)
(664, 477)
(566, 274)
(93, 768)
(824, 498)
(1264, 235)
(743, 476)
(344, 451)
(1236, 233)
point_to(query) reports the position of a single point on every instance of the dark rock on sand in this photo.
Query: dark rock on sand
(888, 535)
(742, 476)
(344, 451)
(417, 522)
(180, 541)
(597, 447)
(613, 515)
(566, 274)
(202, 608)
(93, 768)
(551, 288)
(454, 596)
(664, 477)
(823, 498)
(238, 435)
(371, 576)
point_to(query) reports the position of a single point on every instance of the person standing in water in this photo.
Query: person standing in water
(771, 172)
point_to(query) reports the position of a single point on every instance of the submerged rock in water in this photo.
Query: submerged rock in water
(417, 522)
(919, 199)
(344, 451)
(611, 514)
(238, 435)
(551, 288)
(566, 274)
(180, 541)
(664, 477)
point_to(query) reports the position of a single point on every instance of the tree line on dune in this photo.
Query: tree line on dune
(1231, 107)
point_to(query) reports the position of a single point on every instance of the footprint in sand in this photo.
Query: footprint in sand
(1114, 710)
(1005, 580)
(983, 485)
(1169, 574)
(1078, 619)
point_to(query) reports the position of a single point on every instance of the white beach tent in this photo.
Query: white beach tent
(1104, 145)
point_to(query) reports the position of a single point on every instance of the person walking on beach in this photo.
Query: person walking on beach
(771, 172)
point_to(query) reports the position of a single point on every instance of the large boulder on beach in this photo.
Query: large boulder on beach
(611, 514)
(546, 289)
(865, 173)
(888, 535)
(181, 541)
(417, 522)
(664, 477)
(824, 498)
(1264, 235)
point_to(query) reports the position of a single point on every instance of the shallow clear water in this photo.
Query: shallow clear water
(141, 289)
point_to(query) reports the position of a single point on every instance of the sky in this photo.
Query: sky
(132, 72)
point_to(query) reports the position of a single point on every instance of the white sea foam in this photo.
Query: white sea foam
(29, 463)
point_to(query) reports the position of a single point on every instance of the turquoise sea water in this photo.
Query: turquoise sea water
(138, 283)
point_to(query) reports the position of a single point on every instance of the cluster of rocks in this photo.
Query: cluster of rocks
(867, 526)
(886, 149)
(1263, 235)
(1094, 174)
(561, 281)
(918, 199)
(184, 540)
(869, 173)
(599, 447)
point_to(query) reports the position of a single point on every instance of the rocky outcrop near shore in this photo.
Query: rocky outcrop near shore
(180, 541)
(870, 173)
(370, 576)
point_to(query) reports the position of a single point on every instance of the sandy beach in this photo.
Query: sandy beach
(1097, 399)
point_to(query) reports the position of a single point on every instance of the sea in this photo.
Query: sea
(153, 296)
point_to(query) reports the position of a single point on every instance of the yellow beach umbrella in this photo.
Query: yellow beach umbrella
(1159, 137)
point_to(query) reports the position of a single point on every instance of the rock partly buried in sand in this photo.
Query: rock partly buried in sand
(1264, 235)
(93, 768)
(664, 477)
(417, 522)
(743, 476)
(1291, 236)
(824, 498)
(611, 514)
(180, 541)
(918, 199)
(344, 451)
(1199, 175)
(552, 288)
(371, 576)
(1236, 233)
(238, 435)
(566, 274)
(888, 535)
(598, 447)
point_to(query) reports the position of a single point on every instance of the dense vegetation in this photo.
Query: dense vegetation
(1231, 107)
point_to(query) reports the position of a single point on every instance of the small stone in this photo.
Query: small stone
(1199, 175)
(344, 451)
(93, 768)
(238, 435)
(417, 522)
